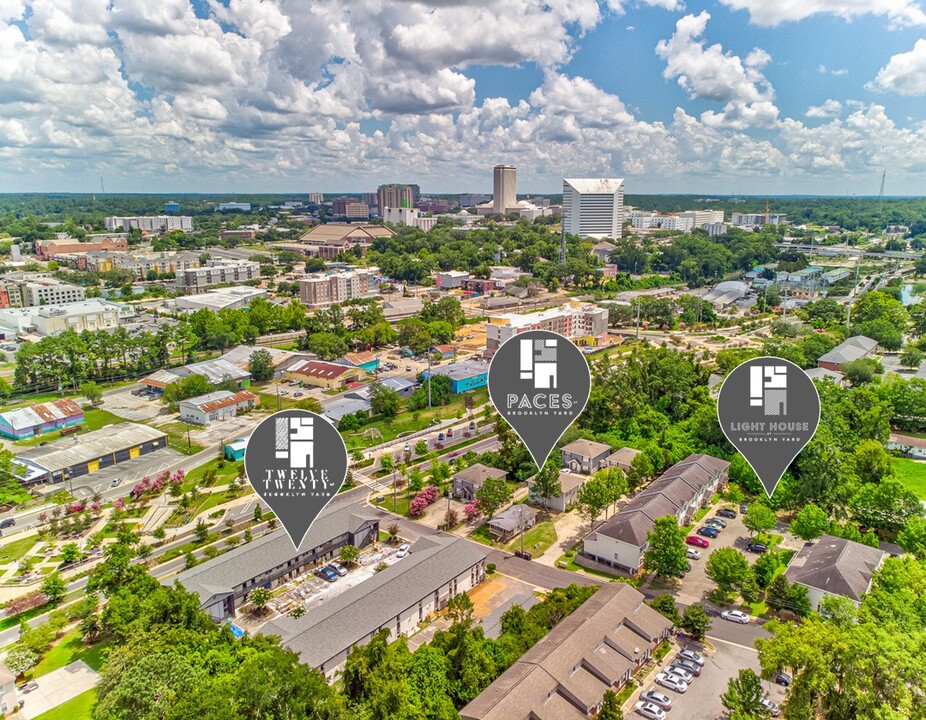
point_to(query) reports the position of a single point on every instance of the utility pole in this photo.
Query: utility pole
(638, 318)
(278, 398)
(858, 262)
(429, 382)
(521, 525)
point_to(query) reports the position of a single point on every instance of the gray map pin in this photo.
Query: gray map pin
(769, 410)
(296, 461)
(539, 382)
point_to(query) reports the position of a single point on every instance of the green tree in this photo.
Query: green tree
(55, 588)
(384, 400)
(92, 391)
(593, 497)
(838, 610)
(744, 695)
(421, 448)
(460, 609)
(260, 365)
(349, 554)
(493, 494)
(810, 522)
(20, 660)
(765, 567)
(695, 621)
(913, 537)
(610, 707)
(666, 554)
(759, 518)
(778, 595)
(887, 505)
(640, 470)
(201, 531)
(70, 553)
(327, 345)
(665, 605)
(911, 358)
(260, 597)
(861, 371)
(546, 484)
(728, 568)
(872, 461)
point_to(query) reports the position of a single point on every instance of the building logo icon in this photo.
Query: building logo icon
(768, 389)
(296, 461)
(295, 440)
(538, 362)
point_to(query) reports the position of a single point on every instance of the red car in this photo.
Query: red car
(695, 540)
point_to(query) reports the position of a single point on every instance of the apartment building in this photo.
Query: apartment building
(321, 290)
(140, 263)
(580, 322)
(93, 314)
(217, 272)
(395, 196)
(50, 291)
(150, 223)
(757, 219)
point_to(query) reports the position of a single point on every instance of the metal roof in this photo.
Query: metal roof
(41, 413)
(219, 399)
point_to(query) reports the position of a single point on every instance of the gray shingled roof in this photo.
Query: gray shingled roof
(478, 473)
(852, 349)
(835, 565)
(586, 448)
(345, 513)
(510, 518)
(346, 619)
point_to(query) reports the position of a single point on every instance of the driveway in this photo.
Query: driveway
(702, 701)
(58, 687)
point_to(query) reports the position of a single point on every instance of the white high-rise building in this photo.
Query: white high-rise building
(505, 188)
(593, 207)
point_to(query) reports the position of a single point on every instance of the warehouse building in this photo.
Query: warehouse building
(465, 375)
(40, 419)
(216, 371)
(398, 598)
(86, 454)
(217, 405)
(271, 560)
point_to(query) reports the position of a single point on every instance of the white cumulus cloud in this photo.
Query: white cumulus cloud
(900, 13)
(905, 73)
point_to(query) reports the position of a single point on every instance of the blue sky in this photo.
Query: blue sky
(750, 96)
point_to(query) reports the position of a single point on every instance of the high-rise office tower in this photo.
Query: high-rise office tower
(395, 196)
(593, 207)
(505, 188)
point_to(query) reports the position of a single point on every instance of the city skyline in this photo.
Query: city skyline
(715, 97)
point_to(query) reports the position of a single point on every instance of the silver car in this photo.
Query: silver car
(656, 698)
(680, 672)
(693, 656)
(673, 682)
(648, 710)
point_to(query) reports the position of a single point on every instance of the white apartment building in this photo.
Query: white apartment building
(217, 272)
(682, 221)
(593, 207)
(50, 291)
(757, 219)
(411, 217)
(574, 321)
(150, 223)
(321, 290)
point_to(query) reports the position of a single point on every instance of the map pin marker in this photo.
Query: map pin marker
(769, 410)
(539, 382)
(296, 461)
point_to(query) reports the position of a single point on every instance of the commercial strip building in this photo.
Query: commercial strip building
(216, 299)
(683, 221)
(217, 272)
(397, 598)
(150, 223)
(268, 561)
(834, 566)
(217, 405)
(40, 419)
(331, 239)
(323, 289)
(565, 675)
(582, 323)
(84, 454)
(688, 485)
(593, 207)
(44, 320)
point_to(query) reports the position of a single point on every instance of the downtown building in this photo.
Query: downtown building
(505, 188)
(150, 223)
(582, 323)
(394, 196)
(593, 207)
(321, 289)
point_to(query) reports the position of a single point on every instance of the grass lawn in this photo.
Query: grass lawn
(626, 692)
(268, 401)
(912, 474)
(402, 502)
(67, 650)
(177, 438)
(77, 708)
(14, 551)
(481, 534)
(537, 540)
(698, 516)
(94, 419)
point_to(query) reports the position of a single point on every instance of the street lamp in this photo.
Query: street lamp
(521, 525)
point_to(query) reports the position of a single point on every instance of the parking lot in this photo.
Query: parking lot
(702, 699)
(137, 408)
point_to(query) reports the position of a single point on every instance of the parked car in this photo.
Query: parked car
(727, 513)
(472, 424)
(338, 568)
(719, 522)
(440, 437)
(326, 573)
(449, 432)
(28, 687)
(692, 656)
(689, 665)
(693, 554)
(744, 507)
(8, 523)
(672, 682)
(708, 531)
(284, 392)
(680, 672)
(649, 710)
(656, 698)
(115, 482)
(298, 394)
(403, 550)
(695, 540)
(737, 616)
(782, 678)
(757, 547)
(772, 708)
(408, 368)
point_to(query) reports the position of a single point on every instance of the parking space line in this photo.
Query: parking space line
(733, 644)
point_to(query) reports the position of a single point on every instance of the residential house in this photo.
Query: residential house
(40, 419)
(444, 351)
(569, 484)
(565, 675)
(834, 566)
(622, 540)
(9, 700)
(585, 456)
(511, 522)
(622, 458)
(217, 405)
(468, 482)
(234, 450)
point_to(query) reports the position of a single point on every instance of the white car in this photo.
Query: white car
(403, 550)
(338, 568)
(657, 698)
(693, 554)
(693, 656)
(737, 616)
(772, 708)
(680, 672)
(648, 710)
(672, 682)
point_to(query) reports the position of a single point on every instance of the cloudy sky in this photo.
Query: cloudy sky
(721, 96)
